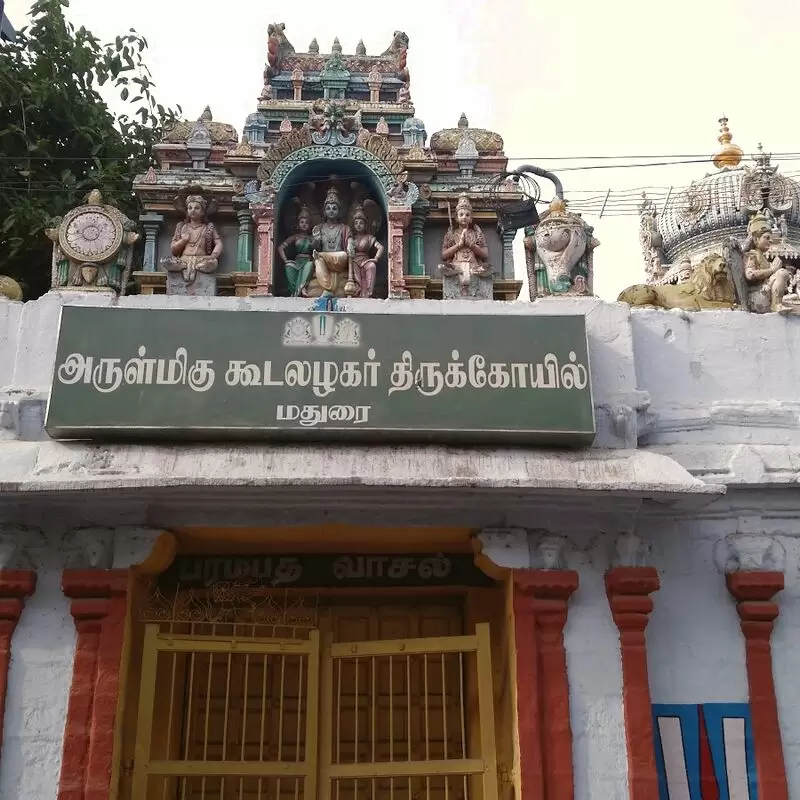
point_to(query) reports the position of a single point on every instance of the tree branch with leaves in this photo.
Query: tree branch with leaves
(58, 137)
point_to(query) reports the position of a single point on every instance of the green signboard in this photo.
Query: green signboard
(200, 375)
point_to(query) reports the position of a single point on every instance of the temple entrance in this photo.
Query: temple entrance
(303, 697)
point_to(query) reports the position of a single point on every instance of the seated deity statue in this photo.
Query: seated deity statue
(300, 268)
(465, 255)
(196, 244)
(368, 250)
(334, 247)
(767, 278)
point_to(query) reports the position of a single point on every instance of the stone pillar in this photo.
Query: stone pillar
(399, 217)
(96, 581)
(542, 588)
(151, 222)
(264, 215)
(244, 247)
(755, 576)
(419, 213)
(298, 78)
(374, 81)
(541, 598)
(15, 586)
(628, 589)
(99, 604)
(507, 268)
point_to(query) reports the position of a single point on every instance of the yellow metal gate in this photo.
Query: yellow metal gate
(224, 718)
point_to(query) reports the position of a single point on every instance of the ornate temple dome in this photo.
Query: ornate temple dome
(220, 132)
(713, 209)
(448, 140)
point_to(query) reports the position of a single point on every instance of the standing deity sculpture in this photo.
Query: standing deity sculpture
(92, 247)
(196, 248)
(560, 254)
(368, 250)
(300, 268)
(465, 270)
(651, 240)
(767, 278)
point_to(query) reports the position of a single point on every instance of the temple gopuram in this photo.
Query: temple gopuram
(300, 499)
(330, 129)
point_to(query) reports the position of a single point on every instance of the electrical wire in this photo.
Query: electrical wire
(591, 202)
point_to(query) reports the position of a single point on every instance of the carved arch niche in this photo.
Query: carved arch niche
(298, 170)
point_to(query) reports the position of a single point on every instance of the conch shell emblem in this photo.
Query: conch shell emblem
(89, 274)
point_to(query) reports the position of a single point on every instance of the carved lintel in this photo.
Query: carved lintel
(630, 551)
(505, 547)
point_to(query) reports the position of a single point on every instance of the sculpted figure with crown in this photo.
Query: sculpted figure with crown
(299, 269)
(768, 280)
(196, 249)
(332, 252)
(466, 271)
(333, 249)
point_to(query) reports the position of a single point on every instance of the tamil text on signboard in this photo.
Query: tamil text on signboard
(218, 374)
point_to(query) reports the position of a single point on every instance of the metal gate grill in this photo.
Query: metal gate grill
(224, 718)
(248, 741)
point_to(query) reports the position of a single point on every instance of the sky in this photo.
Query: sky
(557, 80)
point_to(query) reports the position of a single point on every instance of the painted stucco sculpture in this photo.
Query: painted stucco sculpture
(710, 287)
(92, 247)
(9, 288)
(322, 113)
(196, 249)
(465, 267)
(365, 219)
(764, 266)
(559, 254)
(333, 250)
(748, 212)
(300, 267)
(767, 278)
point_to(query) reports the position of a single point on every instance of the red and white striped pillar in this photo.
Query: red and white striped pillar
(628, 588)
(755, 576)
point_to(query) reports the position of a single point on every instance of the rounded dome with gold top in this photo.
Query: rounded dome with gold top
(701, 218)
(448, 140)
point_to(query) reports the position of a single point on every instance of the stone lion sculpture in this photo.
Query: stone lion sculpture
(710, 287)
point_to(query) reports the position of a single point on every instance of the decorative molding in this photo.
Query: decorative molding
(505, 547)
(16, 544)
(754, 591)
(628, 590)
(547, 552)
(751, 552)
(89, 548)
(384, 175)
(540, 602)
(138, 547)
(630, 551)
